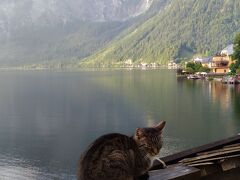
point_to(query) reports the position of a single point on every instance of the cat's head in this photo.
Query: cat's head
(150, 139)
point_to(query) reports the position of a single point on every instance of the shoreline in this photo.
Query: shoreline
(81, 69)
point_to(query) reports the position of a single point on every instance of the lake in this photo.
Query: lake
(47, 119)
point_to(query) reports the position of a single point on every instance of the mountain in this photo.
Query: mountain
(180, 30)
(16, 14)
(109, 32)
(33, 31)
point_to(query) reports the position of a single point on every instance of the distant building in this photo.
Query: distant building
(172, 65)
(219, 63)
(197, 60)
(128, 63)
(222, 61)
(144, 64)
(204, 61)
(153, 65)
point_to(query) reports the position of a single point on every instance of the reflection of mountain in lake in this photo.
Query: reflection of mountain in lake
(158, 95)
(221, 94)
(48, 118)
(236, 101)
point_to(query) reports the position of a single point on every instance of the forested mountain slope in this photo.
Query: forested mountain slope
(182, 29)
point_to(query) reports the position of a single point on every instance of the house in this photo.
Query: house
(220, 64)
(221, 61)
(172, 65)
(128, 63)
(197, 60)
(206, 62)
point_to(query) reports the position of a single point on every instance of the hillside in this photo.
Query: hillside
(93, 35)
(181, 30)
(35, 31)
(59, 43)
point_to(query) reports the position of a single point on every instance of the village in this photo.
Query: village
(217, 67)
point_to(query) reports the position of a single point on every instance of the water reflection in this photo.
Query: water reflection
(18, 168)
(48, 118)
(235, 94)
(221, 94)
(215, 105)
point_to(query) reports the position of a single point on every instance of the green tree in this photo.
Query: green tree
(189, 70)
(236, 54)
(232, 68)
(238, 71)
(186, 29)
(191, 65)
(196, 67)
(236, 48)
(204, 69)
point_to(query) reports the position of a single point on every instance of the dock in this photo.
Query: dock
(219, 160)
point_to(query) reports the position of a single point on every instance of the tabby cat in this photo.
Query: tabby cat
(120, 157)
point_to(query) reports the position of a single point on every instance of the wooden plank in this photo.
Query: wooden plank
(213, 159)
(209, 155)
(191, 152)
(232, 145)
(177, 171)
(219, 150)
(201, 164)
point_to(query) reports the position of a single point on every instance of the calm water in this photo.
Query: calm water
(48, 118)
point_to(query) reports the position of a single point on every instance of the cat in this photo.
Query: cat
(120, 157)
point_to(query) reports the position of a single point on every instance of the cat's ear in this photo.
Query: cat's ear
(139, 133)
(161, 125)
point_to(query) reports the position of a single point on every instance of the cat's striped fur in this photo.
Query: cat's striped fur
(120, 157)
